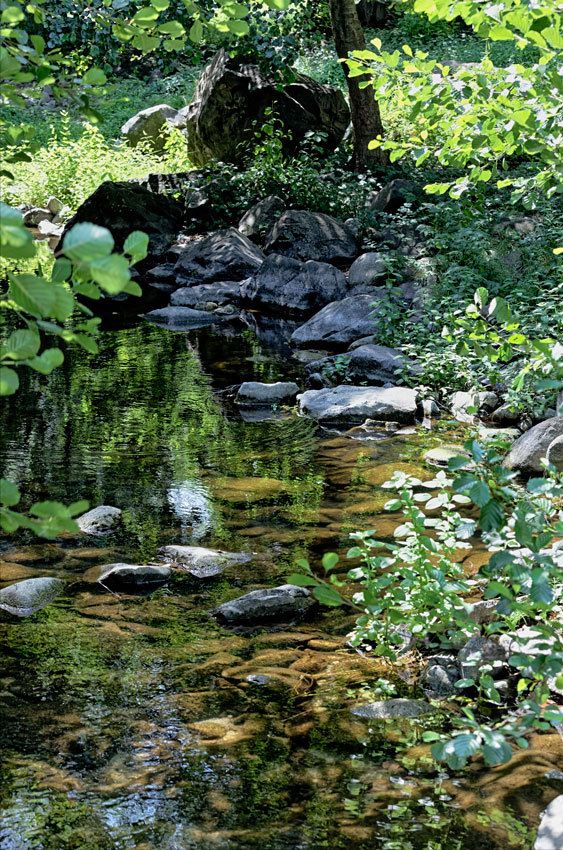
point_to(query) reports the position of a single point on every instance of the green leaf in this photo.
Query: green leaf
(20, 345)
(33, 294)
(136, 246)
(172, 28)
(196, 32)
(328, 596)
(302, 580)
(48, 360)
(9, 493)
(12, 15)
(62, 270)
(145, 43)
(329, 561)
(15, 240)
(238, 27)
(9, 381)
(111, 273)
(491, 516)
(480, 493)
(87, 242)
(94, 77)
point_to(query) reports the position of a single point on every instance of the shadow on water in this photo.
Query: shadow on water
(136, 721)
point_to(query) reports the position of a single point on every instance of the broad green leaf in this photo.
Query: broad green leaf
(9, 381)
(136, 246)
(15, 240)
(196, 32)
(145, 43)
(33, 294)
(87, 242)
(21, 344)
(94, 77)
(48, 360)
(62, 270)
(238, 27)
(491, 516)
(111, 273)
(301, 580)
(329, 561)
(328, 596)
(480, 493)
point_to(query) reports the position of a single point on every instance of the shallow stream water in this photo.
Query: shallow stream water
(130, 721)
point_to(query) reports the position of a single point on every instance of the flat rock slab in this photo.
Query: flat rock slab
(550, 832)
(105, 519)
(276, 603)
(29, 596)
(201, 562)
(353, 405)
(129, 576)
(392, 708)
(256, 394)
(181, 318)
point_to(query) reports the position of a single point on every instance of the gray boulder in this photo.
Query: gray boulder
(390, 709)
(29, 596)
(181, 318)
(338, 324)
(462, 402)
(372, 364)
(34, 217)
(224, 255)
(528, 450)
(231, 95)
(479, 652)
(276, 603)
(555, 453)
(392, 196)
(550, 830)
(307, 235)
(225, 292)
(100, 521)
(128, 576)
(353, 405)
(290, 286)
(259, 219)
(201, 562)
(367, 270)
(256, 394)
(439, 677)
(149, 125)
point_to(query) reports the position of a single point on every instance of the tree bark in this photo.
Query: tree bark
(366, 118)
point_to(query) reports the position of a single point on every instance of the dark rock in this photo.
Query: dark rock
(203, 563)
(259, 219)
(372, 364)
(256, 394)
(353, 405)
(225, 292)
(389, 709)
(479, 652)
(285, 285)
(226, 255)
(29, 596)
(34, 217)
(128, 576)
(528, 450)
(100, 521)
(503, 415)
(276, 603)
(163, 273)
(149, 125)
(230, 96)
(368, 269)
(181, 318)
(392, 196)
(307, 235)
(440, 675)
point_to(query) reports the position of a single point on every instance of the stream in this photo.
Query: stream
(136, 722)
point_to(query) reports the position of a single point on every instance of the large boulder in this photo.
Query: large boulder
(528, 450)
(338, 324)
(223, 255)
(259, 219)
(370, 364)
(230, 96)
(368, 270)
(150, 126)
(128, 577)
(284, 285)
(26, 597)
(307, 235)
(105, 519)
(286, 602)
(353, 405)
(256, 394)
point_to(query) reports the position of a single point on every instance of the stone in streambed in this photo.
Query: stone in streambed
(201, 562)
(224, 292)
(353, 405)
(29, 596)
(528, 450)
(100, 521)
(390, 709)
(259, 219)
(225, 255)
(128, 576)
(256, 394)
(181, 318)
(269, 604)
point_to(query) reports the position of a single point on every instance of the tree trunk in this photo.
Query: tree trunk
(366, 118)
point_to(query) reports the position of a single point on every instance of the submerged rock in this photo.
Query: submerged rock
(100, 521)
(528, 450)
(129, 576)
(276, 603)
(392, 708)
(201, 562)
(256, 394)
(550, 831)
(305, 235)
(353, 405)
(29, 596)
(284, 285)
